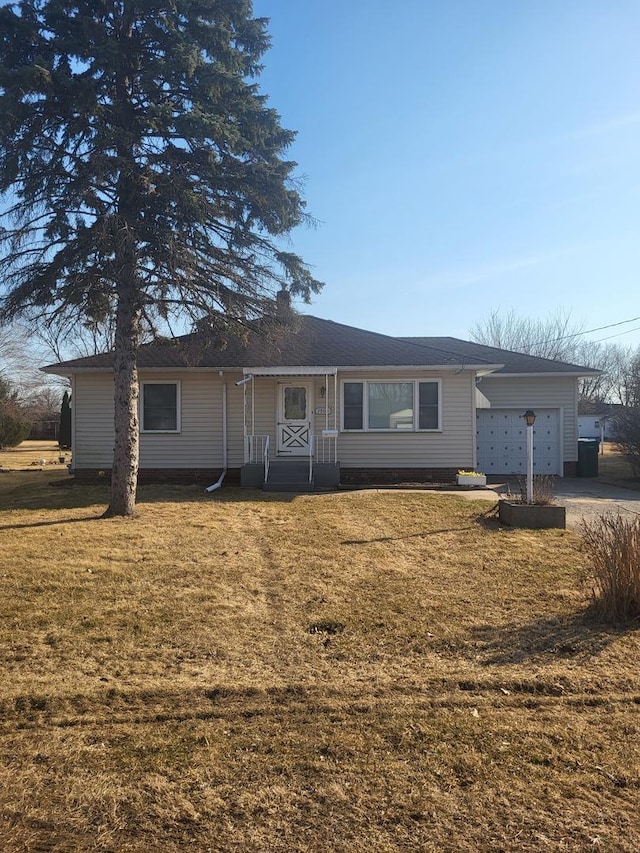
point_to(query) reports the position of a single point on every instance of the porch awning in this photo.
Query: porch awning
(290, 371)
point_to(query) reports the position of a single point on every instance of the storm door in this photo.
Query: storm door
(294, 419)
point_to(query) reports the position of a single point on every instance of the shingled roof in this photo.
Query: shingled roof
(313, 342)
(513, 362)
(309, 342)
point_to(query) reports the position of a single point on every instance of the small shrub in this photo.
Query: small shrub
(64, 439)
(626, 433)
(544, 487)
(13, 429)
(613, 544)
(14, 426)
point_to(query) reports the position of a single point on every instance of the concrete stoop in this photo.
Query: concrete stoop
(288, 477)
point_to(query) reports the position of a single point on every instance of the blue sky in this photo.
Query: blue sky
(463, 155)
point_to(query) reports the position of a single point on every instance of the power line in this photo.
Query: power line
(617, 335)
(589, 331)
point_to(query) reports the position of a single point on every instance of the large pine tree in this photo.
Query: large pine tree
(142, 176)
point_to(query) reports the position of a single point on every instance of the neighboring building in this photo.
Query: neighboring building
(343, 403)
(44, 430)
(599, 422)
(594, 426)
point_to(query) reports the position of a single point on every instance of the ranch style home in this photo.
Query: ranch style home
(317, 403)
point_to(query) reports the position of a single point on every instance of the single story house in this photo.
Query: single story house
(599, 421)
(321, 402)
(594, 426)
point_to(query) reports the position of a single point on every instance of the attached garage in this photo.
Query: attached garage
(501, 441)
(523, 382)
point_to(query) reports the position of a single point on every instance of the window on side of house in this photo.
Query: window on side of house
(160, 407)
(391, 406)
(353, 402)
(428, 405)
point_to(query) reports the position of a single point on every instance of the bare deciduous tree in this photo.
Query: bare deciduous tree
(560, 338)
(20, 359)
(555, 336)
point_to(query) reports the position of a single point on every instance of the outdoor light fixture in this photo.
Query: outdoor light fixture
(323, 391)
(529, 418)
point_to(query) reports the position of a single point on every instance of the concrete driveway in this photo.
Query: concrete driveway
(584, 497)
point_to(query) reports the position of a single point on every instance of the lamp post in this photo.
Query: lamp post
(529, 419)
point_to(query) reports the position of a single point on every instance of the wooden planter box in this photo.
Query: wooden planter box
(468, 480)
(531, 515)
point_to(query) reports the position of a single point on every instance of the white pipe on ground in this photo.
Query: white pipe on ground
(217, 484)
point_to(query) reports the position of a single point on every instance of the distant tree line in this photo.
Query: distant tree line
(29, 399)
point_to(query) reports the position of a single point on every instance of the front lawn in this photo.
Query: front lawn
(340, 672)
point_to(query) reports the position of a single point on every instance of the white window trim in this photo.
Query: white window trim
(178, 429)
(395, 380)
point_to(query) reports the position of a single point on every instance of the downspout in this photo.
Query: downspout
(474, 422)
(218, 482)
(72, 466)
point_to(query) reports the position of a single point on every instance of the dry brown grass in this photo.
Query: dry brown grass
(33, 455)
(613, 467)
(340, 672)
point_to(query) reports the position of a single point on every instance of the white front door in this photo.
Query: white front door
(294, 419)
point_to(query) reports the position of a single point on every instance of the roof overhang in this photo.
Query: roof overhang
(56, 370)
(72, 371)
(550, 375)
(300, 370)
(486, 369)
(289, 371)
(297, 370)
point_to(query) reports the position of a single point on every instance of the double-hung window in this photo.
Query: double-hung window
(160, 407)
(409, 406)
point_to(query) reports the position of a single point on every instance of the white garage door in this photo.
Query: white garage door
(502, 441)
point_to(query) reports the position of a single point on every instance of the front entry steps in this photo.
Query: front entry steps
(288, 477)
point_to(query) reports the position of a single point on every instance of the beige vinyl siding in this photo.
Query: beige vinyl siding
(320, 420)
(261, 405)
(199, 442)
(262, 401)
(266, 406)
(197, 445)
(453, 446)
(546, 392)
(259, 396)
(92, 405)
(235, 421)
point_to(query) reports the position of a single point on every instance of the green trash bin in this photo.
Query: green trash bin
(588, 449)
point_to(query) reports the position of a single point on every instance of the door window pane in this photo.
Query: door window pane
(295, 403)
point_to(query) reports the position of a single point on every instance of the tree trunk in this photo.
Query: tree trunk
(124, 473)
